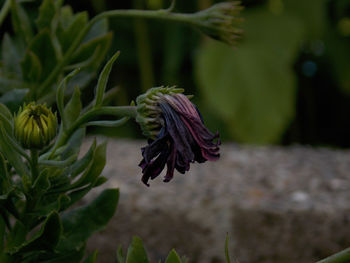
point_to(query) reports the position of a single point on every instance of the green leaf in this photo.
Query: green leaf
(313, 14)
(72, 256)
(13, 99)
(88, 49)
(60, 93)
(47, 12)
(31, 67)
(103, 79)
(79, 224)
(20, 21)
(116, 123)
(42, 46)
(11, 155)
(136, 252)
(79, 166)
(173, 257)
(46, 239)
(70, 27)
(6, 112)
(74, 143)
(92, 258)
(94, 169)
(11, 140)
(63, 163)
(41, 184)
(4, 176)
(120, 258)
(10, 56)
(227, 254)
(99, 29)
(72, 109)
(253, 88)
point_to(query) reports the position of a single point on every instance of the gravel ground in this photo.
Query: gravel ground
(278, 205)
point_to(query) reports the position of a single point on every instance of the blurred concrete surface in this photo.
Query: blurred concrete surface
(278, 205)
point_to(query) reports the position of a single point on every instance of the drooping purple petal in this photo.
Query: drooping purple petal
(182, 140)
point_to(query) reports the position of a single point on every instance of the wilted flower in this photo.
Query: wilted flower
(181, 137)
(221, 21)
(35, 126)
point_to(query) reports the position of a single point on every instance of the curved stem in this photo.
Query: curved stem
(122, 111)
(34, 164)
(340, 257)
(162, 14)
(4, 10)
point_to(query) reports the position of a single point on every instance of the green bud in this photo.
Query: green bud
(220, 21)
(35, 126)
(148, 112)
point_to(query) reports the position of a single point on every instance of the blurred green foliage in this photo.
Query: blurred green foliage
(287, 81)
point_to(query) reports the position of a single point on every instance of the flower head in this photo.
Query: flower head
(35, 126)
(181, 137)
(221, 21)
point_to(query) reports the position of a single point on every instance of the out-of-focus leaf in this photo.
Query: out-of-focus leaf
(11, 154)
(4, 176)
(72, 256)
(42, 46)
(47, 12)
(313, 14)
(253, 88)
(46, 239)
(120, 257)
(72, 109)
(68, 31)
(337, 49)
(10, 56)
(92, 258)
(31, 67)
(20, 21)
(136, 252)
(80, 223)
(87, 49)
(13, 99)
(173, 257)
(99, 29)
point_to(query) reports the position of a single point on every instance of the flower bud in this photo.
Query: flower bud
(178, 136)
(35, 126)
(221, 21)
(149, 112)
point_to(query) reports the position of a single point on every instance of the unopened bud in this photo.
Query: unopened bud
(35, 126)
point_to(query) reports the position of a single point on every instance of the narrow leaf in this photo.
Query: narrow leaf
(173, 257)
(102, 81)
(60, 92)
(72, 109)
(20, 21)
(115, 123)
(136, 252)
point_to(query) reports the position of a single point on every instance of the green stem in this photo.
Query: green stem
(149, 14)
(340, 257)
(4, 10)
(122, 111)
(34, 164)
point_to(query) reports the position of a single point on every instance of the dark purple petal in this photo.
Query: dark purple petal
(183, 140)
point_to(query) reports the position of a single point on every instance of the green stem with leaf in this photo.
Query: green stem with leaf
(163, 14)
(340, 257)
